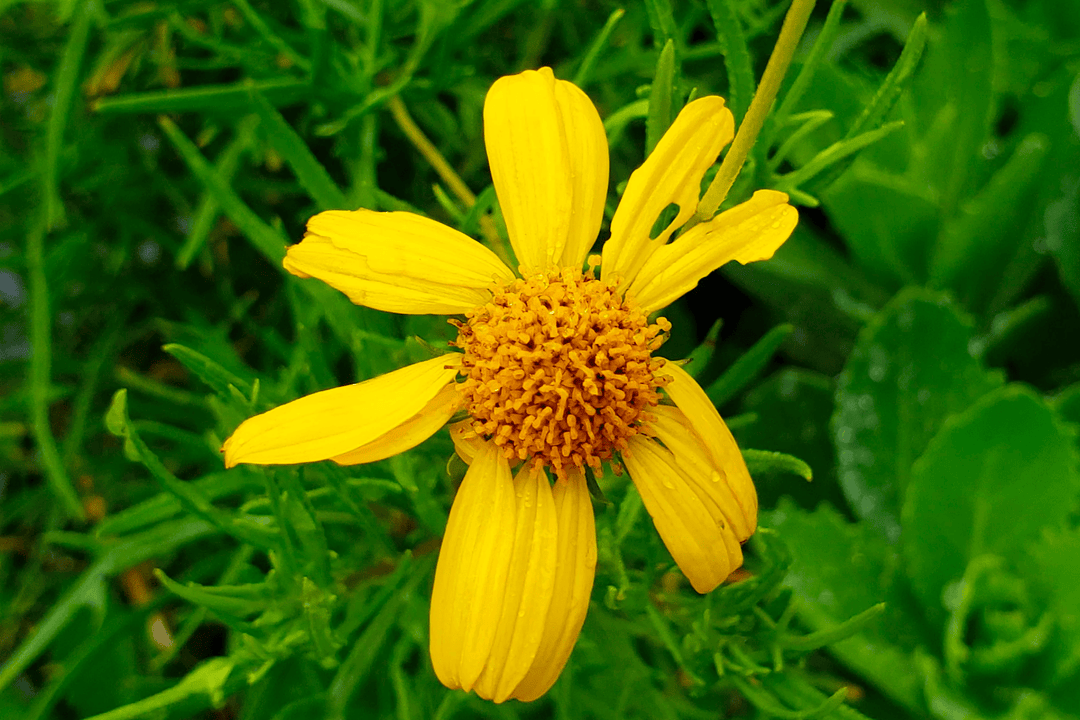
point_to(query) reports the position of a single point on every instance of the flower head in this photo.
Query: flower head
(555, 369)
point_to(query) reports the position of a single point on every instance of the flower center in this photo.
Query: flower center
(559, 369)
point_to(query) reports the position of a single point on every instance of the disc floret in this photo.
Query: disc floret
(559, 370)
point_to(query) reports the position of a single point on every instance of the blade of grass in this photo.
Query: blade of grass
(661, 97)
(312, 175)
(834, 155)
(67, 79)
(218, 98)
(188, 494)
(581, 77)
(822, 44)
(208, 209)
(748, 366)
(740, 72)
(89, 590)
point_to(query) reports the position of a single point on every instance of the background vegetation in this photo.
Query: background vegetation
(914, 343)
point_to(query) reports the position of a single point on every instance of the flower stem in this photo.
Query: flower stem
(794, 24)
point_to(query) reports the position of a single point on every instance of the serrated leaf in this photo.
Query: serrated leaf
(990, 482)
(911, 369)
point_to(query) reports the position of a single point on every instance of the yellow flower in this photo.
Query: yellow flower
(557, 375)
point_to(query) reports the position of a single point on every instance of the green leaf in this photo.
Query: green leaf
(977, 242)
(214, 375)
(748, 366)
(90, 589)
(67, 79)
(771, 707)
(309, 171)
(953, 98)
(662, 20)
(973, 492)
(793, 408)
(213, 680)
(768, 461)
(1054, 574)
(189, 496)
(165, 506)
(661, 98)
(839, 151)
(581, 77)
(911, 369)
(225, 166)
(740, 71)
(240, 601)
(839, 570)
(217, 98)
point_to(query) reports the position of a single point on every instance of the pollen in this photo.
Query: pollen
(559, 370)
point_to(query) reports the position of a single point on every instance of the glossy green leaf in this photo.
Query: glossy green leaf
(910, 370)
(973, 492)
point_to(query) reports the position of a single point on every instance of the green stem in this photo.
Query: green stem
(56, 475)
(794, 24)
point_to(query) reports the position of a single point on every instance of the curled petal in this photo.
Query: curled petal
(702, 543)
(708, 480)
(410, 433)
(466, 442)
(710, 428)
(670, 175)
(549, 164)
(397, 262)
(575, 570)
(340, 423)
(749, 232)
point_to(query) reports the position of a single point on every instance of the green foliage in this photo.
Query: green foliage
(909, 349)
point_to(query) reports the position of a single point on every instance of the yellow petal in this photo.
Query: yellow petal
(671, 174)
(702, 416)
(748, 232)
(707, 480)
(409, 434)
(466, 442)
(574, 573)
(473, 566)
(522, 609)
(397, 262)
(335, 422)
(549, 164)
(701, 544)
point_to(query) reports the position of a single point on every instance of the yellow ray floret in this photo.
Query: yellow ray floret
(549, 164)
(343, 420)
(397, 262)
